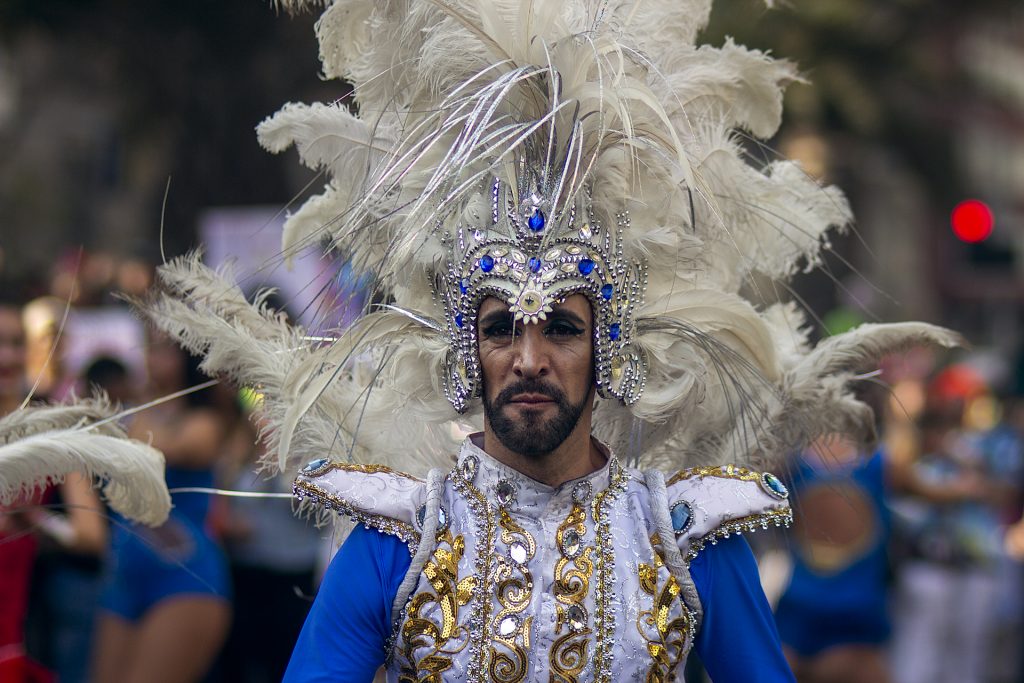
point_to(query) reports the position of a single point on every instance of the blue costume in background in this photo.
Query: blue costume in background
(839, 599)
(180, 557)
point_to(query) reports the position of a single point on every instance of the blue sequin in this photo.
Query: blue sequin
(486, 263)
(614, 330)
(458, 319)
(464, 285)
(314, 465)
(534, 264)
(681, 514)
(537, 220)
(586, 266)
(607, 291)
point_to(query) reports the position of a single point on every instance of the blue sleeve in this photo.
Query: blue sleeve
(344, 635)
(737, 641)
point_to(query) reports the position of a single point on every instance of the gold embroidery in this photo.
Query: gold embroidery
(668, 637)
(514, 586)
(573, 572)
(449, 594)
(723, 472)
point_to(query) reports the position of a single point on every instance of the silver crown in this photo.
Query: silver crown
(533, 252)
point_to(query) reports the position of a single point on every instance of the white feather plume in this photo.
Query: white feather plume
(451, 91)
(41, 445)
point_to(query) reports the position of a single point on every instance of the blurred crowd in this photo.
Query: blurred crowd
(220, 591)
(905, 564)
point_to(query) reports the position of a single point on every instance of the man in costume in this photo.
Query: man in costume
(554, 200)
(578, 568)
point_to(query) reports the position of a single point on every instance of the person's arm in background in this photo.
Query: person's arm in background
(82, 528)
(738, 641)
(344, 636)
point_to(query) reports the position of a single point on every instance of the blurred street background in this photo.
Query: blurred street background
(127, 136)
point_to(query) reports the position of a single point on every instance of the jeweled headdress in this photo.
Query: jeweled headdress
(528, 150)
(532, 249)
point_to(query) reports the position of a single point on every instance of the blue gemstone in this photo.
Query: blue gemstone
(614, 330)
(464, 285)
(775, 485)
(681, 516)
(586, 266)
(486, 263)
(421, 514)
(458, 319)
(607, 291)
(314, 465)
(536, 221)
(534, 264)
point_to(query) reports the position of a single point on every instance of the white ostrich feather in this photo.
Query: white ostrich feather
(41, 418)
(42, 449)
(352, 417)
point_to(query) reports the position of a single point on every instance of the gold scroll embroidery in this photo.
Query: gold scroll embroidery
(668, 637)
(510, 632)
(573, 572)
(446, 637)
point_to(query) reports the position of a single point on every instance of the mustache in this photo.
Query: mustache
(529, 386)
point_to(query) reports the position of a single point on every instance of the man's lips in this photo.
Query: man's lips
(531, 399)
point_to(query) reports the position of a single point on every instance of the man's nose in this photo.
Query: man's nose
(529, 347)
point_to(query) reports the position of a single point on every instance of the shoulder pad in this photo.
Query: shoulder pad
(709, 503)
(372, 495)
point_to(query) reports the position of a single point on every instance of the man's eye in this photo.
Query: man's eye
(562, 329)
(502, 329)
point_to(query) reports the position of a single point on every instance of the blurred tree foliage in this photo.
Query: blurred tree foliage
(180, 85)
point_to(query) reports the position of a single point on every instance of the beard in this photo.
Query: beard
(533, 436)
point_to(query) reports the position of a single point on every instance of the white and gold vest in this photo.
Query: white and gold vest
(587, 581)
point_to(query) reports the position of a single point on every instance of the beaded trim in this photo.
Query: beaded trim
(357, 467)
(723, 472)
(479, 620)
(779, 517)
(604, 619)
(405, 532)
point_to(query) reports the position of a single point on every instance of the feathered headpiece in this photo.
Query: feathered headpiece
(528, 150)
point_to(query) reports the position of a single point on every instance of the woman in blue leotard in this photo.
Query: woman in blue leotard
(832, 617)
(165, 612)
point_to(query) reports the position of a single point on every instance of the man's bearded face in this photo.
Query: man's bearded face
(538, 378)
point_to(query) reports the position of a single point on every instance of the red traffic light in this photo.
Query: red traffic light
(972, 221)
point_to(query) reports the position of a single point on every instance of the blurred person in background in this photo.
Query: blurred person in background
(44, 320)
(165, 610)
(112, 377)
(953, 493)
(17, 542)
(65, 518)
(67, 579)
(833, 617)
(273, 555)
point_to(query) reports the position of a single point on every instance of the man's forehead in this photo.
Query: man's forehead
(576, 304)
